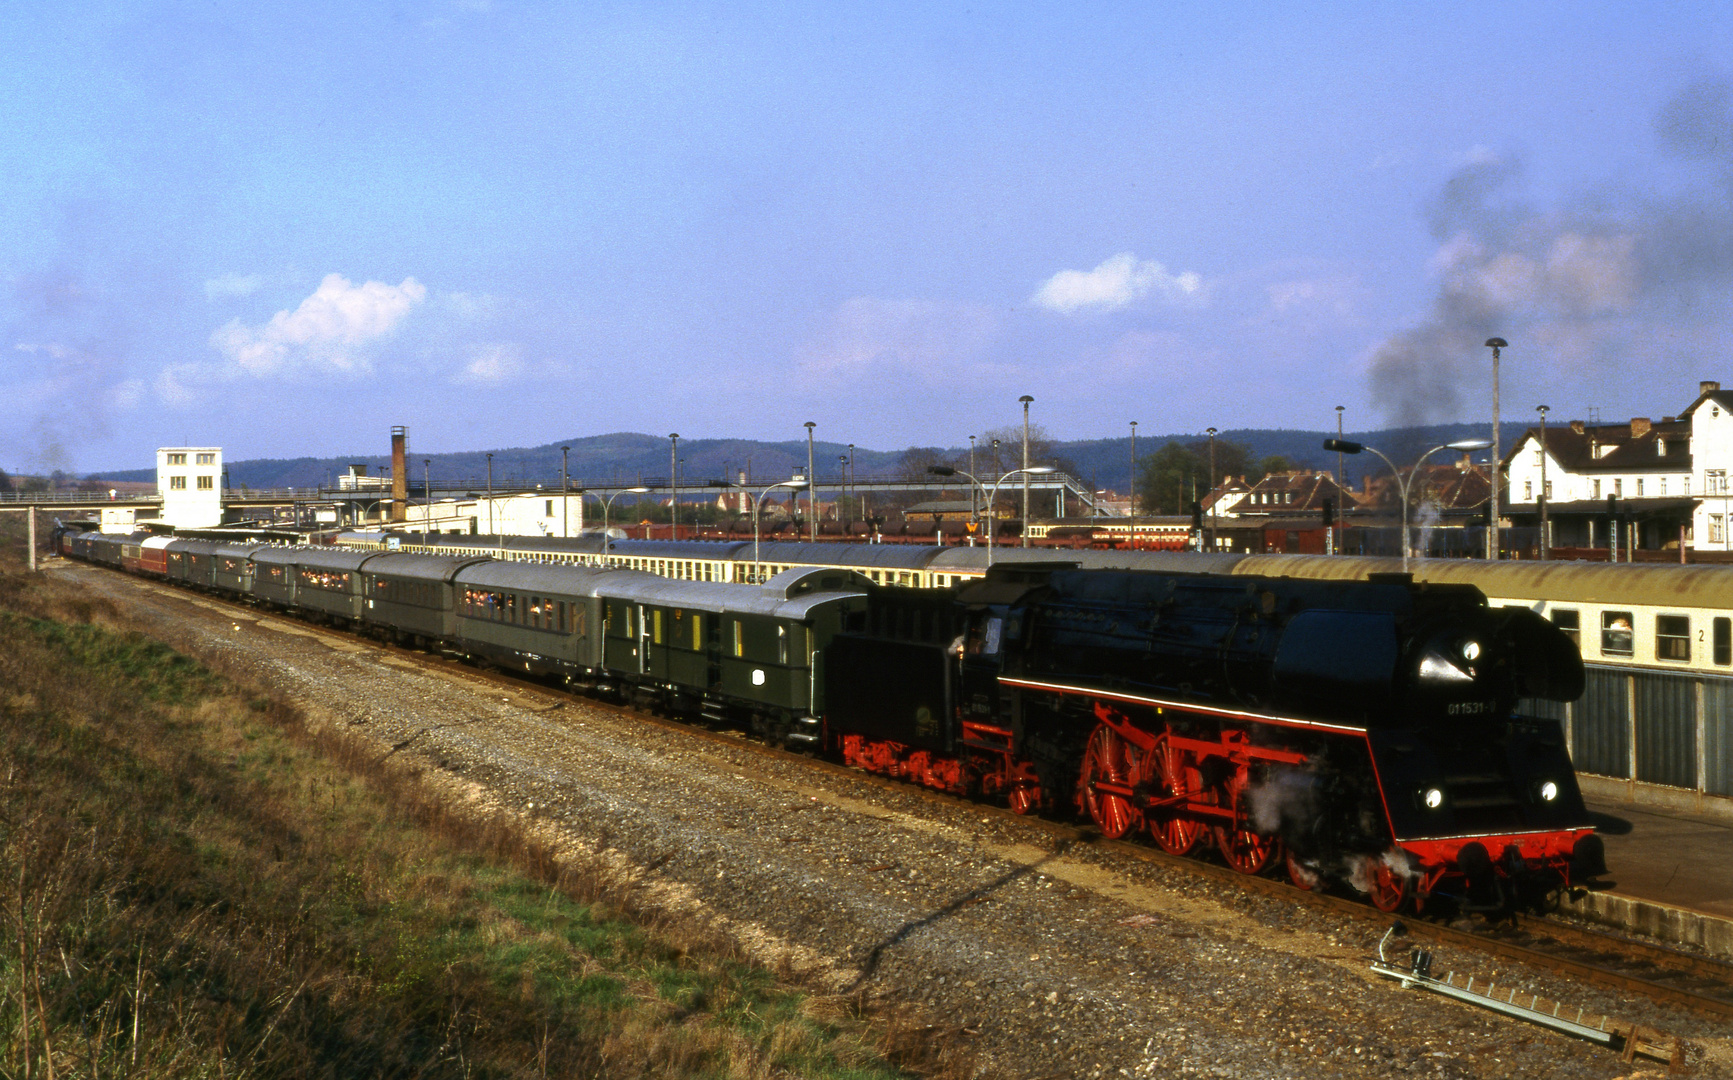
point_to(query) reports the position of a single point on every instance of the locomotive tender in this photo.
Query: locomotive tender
(1350, 732)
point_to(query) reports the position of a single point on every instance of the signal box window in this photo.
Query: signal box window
(207, 459)
(1616, 636)
(204, 483)
(177, 483)
(177, 459)
(1570, 621)
(1672, 637)
(1723, 645)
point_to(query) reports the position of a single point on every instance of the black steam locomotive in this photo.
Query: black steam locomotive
(1358, 732)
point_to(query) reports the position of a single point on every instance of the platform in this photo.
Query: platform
(1672, 874)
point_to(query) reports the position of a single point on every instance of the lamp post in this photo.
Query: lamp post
(946, 470)
(1545, 535)
(1339, 409)
(565, 493)
(811, 491)
(673, 486)
(427, 497)
(607, 509)
(757, 504)
(490, 494)
(974, 504)
(1344, 446)
(1212, 489)
(1026, 399)
(1134, 485)
(1492, 550)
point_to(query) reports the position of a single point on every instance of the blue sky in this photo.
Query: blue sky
(283, 228)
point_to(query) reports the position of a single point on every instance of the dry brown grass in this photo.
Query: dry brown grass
(194, 881)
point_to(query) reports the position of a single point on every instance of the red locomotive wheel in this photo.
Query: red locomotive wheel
(1174, 832)
(1301, 875)
(1244, 849)
(1386, 887)
(1110, 759)
(1024, 799)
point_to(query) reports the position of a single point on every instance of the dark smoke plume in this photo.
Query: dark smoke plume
(1612, 284)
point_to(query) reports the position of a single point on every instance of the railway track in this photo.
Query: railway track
(1606, 959)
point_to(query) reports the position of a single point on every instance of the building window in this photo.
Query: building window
(1549, 491)
(1687, 483)
(1619, 486)
(1639, 487)
(1597, 489)
(549, 512)
(1714, 481)
(207, 459)
(177, 483)
(1537, 456)
(204, 483)
(1663, 485)
(1672, 637)
(1616, 633)
(1528, 491)
(1717, 528)
(177, 459)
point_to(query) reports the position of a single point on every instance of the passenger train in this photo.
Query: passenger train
(1366, 734)
(1657, 639)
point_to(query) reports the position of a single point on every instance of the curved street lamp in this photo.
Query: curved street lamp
(607, 508)
(757, 504)
(1033, 470)
(1347, 446)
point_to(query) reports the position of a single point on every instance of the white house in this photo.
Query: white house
(190, 481)
(1668, 477)
(525, 513)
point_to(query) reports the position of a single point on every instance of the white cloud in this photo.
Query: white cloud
(491, 364)
(232, 285)
(1117, 283)
(331, 330)
(868, 334)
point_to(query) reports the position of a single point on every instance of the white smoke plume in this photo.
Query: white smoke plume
(1590, 287)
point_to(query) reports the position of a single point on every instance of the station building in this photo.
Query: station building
(1666, 481)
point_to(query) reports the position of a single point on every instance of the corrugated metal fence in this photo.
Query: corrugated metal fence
(1656, 727)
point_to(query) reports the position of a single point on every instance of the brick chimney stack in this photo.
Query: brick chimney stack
(1639, 426)
(399, 473)
(1577, 426)
(1707, 387)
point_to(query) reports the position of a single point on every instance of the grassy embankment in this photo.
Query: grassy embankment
(195, 883)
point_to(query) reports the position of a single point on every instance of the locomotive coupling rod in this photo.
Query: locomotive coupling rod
(1600, 1029)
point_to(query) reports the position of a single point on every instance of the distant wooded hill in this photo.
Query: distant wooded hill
(628, 456)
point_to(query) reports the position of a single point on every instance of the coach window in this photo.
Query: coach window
(656, 626)
(1722, 647)
(1672, 637)
(1570, 621)
(739, 639)
(698, 631)
(1616, 634)
(781, 644)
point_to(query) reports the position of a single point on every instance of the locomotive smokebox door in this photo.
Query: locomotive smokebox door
(912, 708)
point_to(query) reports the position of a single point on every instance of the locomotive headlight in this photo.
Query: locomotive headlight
(1471, 651)
(1432, 797)
(1548, 791)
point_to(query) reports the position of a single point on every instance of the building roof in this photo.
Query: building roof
(1623, 448)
